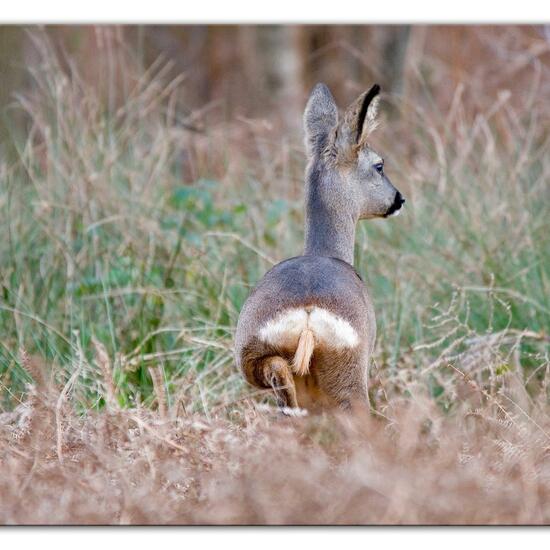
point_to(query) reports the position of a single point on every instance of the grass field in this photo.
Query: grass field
(132, 234)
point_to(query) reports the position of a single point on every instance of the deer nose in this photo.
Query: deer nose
(398, 202)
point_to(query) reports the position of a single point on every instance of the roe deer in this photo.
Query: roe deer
(307, 330)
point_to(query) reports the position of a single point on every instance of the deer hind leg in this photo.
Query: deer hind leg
(310, 395)
(344, 380)
(275, 372)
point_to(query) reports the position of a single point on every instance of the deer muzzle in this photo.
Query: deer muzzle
(395, 208)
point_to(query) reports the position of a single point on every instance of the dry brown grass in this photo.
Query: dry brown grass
(488, 465)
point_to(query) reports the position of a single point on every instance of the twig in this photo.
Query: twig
(102, 360)
(160, 391)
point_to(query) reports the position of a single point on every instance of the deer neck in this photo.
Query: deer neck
(330, 222)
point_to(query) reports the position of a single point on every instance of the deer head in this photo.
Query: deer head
(345, 175)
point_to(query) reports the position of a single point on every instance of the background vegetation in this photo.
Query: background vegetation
(140, 205)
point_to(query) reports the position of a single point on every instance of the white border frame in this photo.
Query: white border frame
(280, 11)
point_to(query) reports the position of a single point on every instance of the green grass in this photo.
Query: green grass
(121, 225)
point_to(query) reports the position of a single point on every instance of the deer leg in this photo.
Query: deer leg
(274, 372)
(344, 382)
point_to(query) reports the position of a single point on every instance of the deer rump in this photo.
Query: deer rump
(307, 331)
(298, 331)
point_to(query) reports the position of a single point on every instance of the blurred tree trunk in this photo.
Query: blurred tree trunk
(281, 66)
(394, 51)
(13, 46)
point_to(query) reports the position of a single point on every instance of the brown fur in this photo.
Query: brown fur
(275, 372)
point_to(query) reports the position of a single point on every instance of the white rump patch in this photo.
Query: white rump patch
(328, 329)
(331, 329)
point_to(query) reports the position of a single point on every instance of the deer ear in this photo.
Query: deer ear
(367, 119)
(360, 118)
(320, 116)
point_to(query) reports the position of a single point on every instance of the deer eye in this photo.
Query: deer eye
(379, 167)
